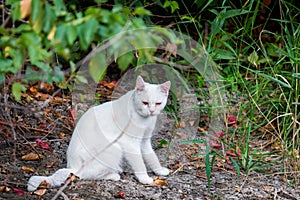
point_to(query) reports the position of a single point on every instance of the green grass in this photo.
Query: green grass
(260, 64)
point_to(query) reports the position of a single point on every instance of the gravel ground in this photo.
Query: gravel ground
(186, 161)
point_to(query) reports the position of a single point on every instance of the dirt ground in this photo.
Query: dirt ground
(53, 125)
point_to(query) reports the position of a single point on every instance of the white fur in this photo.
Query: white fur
(107, 133)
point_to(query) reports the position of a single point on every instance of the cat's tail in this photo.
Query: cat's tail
(56, 179)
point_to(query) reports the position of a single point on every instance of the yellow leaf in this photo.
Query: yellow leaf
(25, 8)
(51, 33)
(32, 156)
(28, 169)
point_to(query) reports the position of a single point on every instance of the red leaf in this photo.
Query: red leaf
(121, 195)
(228, 160)
(230, 153)
(216, 145)
(42, 145)
(19, 191)
(72, 115)
(217, 135)
(231, 120)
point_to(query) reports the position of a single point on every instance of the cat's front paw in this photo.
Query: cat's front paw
(145, 179)
(162, 171)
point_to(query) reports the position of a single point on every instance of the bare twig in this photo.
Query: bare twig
(181, 67)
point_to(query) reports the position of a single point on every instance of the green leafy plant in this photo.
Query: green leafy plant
(45, 37)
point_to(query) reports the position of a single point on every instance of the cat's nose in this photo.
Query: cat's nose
(151, 112)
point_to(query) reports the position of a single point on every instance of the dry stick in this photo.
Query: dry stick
(60, 191)
(26, 127)
(182, 67)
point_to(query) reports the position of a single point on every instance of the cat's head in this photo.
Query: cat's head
(150, 99)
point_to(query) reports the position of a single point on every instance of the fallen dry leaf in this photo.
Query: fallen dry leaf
(51, 164)
(159, 182)
(41, 96)
(191, 123)
(42, 145)
(180, 135)
(19, 191)
(109, 85)
(267, 187)
(181, 124)
(61, 135)
(216, 136)
(72, 177)
(27, 169)
(172, 49)
(121, 195)
(4, 188)
(237, 189)
(44, 185)
(215, 145)
(3, 171)
(231, 120)
(202, 130)
(40, 192)
(201, 175)
(32, 156)
(47, 111)
(76, 198)
(72, 115)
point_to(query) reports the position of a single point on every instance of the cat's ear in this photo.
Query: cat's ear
(140, 84)
(165, 87)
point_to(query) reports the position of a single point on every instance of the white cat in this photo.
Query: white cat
(107, 133)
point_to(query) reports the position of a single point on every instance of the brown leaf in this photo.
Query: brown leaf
(4, 188)
(181, 124)
(180, 135)
(267, 187)
(191, 123)
(72, 177)
(202, 130)
(61, 135)
(47, 111)
(76, 198)
(25, 8)
(27, 169)
(110, 85)
(44, 185)
(57, 114)
(159, 182)
(33, 90)
(40, 192)
(201, 175)
(51, 164)
(32, 156)
(172, 49)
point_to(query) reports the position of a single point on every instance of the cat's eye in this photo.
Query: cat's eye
(145, 103)
(158, 103)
